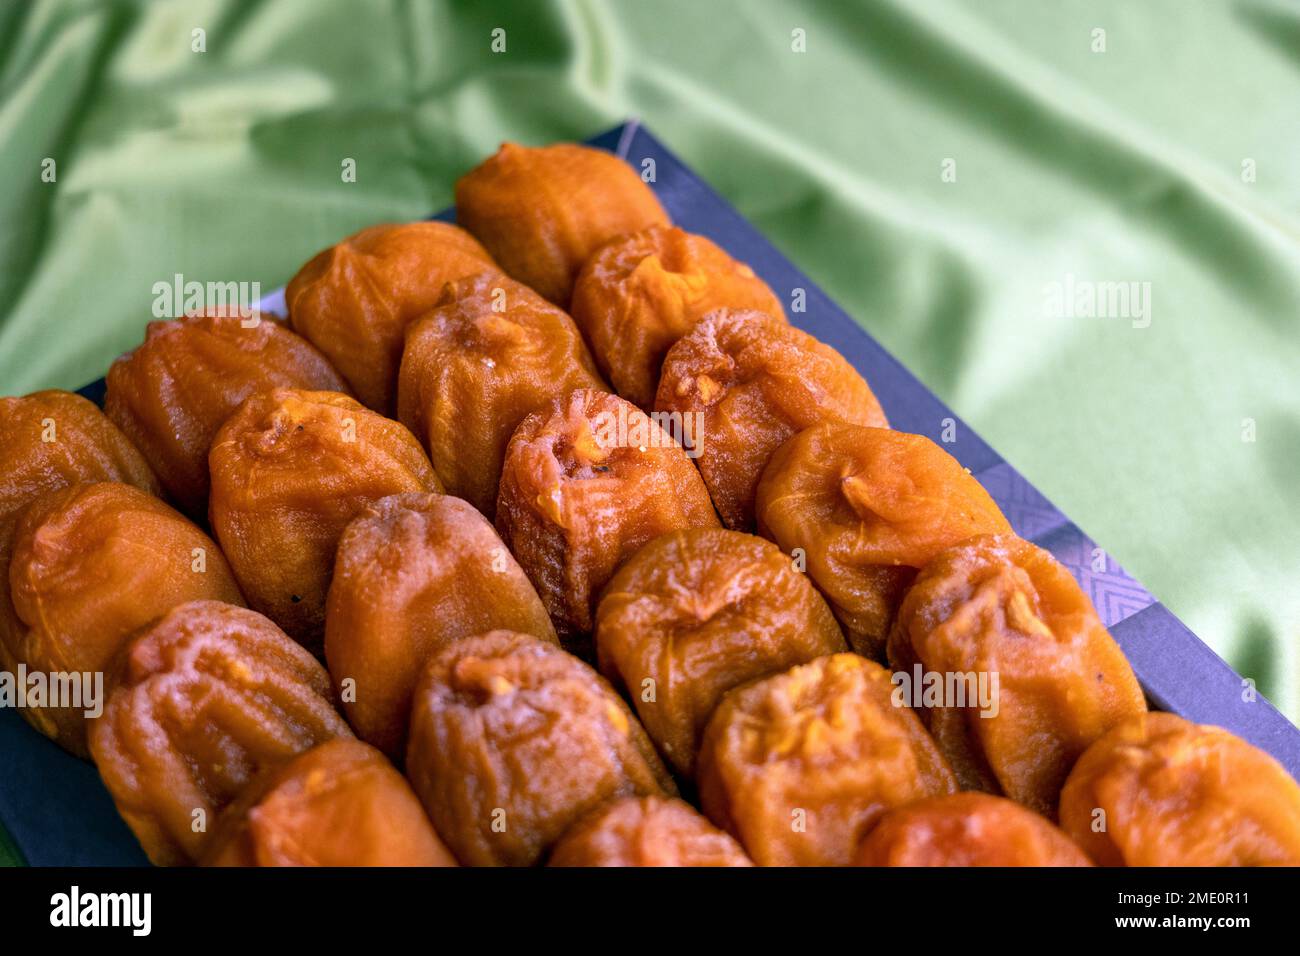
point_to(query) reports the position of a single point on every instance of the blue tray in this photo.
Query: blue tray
(58, 812)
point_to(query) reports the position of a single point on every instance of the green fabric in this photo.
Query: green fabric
(1122, 165)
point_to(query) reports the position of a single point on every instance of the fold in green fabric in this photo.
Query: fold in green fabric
(965, 178)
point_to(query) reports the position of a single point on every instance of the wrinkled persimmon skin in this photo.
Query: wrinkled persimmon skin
(967, 829)
(695, 613)
(799, 766)
(289, 470)
(542, 211)
(92, 564)
(1175, 793)
(173, 392)
(575, 501)
(413, 573)
(647, 831)
(756, 381)
(354, 300)
(868, 507)
(339, 804)
(203, 700)
(999, 604)
(490, 353)
(513, 740)
(638, 295)
(50, 440)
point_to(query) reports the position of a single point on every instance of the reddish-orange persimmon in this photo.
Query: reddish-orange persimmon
(338, 804)
(967, 829)
(52, 439)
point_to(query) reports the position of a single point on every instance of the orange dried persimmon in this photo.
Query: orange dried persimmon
(289, 470)
(749, 382)
(1159, 790)
(514, 740)
(339, 804)
(638, 295)
(998, 608)
(586, 481)
(413, 573)
(203, 700)
(799, 766)
(867, 507)
(91, 564)
(695, 613)
(53, 439)
(354, 300)
(542, 211)
(647, 831)
(491, 352)
(967, 829)
(172, 393)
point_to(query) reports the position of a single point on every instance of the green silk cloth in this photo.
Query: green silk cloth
(976, 182)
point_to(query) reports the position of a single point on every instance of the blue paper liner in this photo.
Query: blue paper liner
(59, 814)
